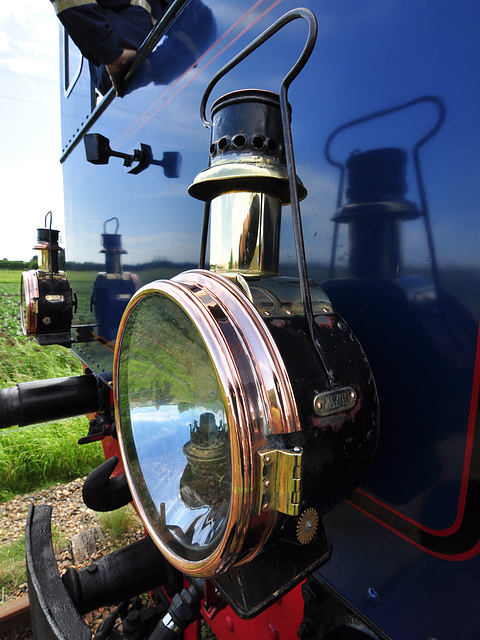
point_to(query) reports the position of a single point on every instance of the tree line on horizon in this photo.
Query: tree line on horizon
(20, 265)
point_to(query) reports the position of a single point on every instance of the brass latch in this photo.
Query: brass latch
(280, 477)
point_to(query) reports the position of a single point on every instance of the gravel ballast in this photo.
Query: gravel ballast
(70, 516)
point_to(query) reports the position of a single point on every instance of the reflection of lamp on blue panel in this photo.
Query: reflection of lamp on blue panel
(113, 250)
(375, 207)
(113, 288)
(418, 338)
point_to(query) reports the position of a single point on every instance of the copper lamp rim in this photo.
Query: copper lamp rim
(245, 438)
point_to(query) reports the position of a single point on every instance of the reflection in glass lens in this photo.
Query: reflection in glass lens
(174, 427)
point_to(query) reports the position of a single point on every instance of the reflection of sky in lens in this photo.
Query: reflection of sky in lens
(159, 435)
(176, 421)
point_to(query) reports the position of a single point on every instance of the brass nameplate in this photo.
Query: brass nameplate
(336, 401)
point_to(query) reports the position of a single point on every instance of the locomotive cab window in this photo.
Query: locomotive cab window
(72, 64)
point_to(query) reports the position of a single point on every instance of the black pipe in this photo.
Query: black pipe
(183, 610)
(45, 400)
(123, 574)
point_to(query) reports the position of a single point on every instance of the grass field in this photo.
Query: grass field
(35, 457)
(39, 456)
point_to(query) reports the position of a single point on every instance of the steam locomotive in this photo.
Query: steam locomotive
(272, 282)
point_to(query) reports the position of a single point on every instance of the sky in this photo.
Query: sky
(30, 171)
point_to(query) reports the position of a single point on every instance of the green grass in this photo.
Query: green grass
(12, 566)
(10, 303)
(22, 359)
(36, 457)
(13, 570)
(32, 458)
(115, 524)
(11, 276)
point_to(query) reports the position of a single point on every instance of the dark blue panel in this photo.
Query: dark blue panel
(417, 322)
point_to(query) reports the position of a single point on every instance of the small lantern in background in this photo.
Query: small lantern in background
(46, 298)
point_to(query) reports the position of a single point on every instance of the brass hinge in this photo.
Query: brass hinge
(280, 477)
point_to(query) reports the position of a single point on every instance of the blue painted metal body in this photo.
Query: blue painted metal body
(405, 547)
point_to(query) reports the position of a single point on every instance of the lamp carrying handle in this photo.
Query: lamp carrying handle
(309, 17)
(295, 14)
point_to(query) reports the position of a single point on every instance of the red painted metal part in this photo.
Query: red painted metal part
(193, 632)
(279, 622)
(110, 449)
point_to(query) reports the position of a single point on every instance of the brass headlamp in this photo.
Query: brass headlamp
(245, 407)
(46, 299)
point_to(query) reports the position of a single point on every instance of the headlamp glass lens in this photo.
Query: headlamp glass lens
(174, 427)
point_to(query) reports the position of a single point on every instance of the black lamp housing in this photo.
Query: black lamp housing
(46, 298)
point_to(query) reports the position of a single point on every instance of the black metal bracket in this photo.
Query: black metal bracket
(98, 151)
(99, 428)
(248, 596)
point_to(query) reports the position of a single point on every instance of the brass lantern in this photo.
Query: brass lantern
(241, 417)
(46, 299)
